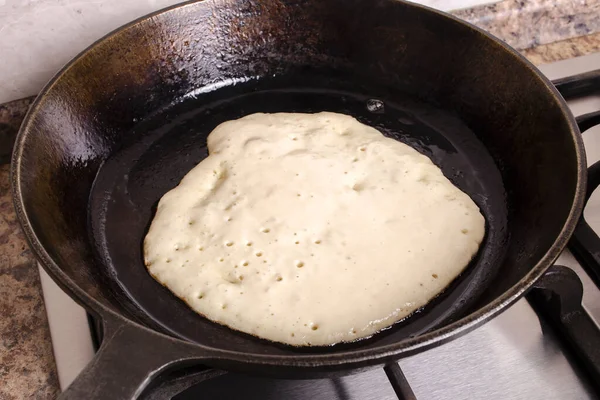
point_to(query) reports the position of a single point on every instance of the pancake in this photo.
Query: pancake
(310, 229)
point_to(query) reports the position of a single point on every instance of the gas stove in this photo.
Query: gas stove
(546, 346)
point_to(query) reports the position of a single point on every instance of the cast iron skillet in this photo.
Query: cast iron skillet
(123, 122)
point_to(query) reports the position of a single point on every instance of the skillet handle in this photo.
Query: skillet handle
(129, 358)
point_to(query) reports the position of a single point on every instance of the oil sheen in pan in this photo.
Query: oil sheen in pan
(163, 147)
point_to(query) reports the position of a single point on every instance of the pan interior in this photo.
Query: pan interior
(163, 147)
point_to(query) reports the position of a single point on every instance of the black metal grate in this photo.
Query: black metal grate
(585, 244)
(558, 295)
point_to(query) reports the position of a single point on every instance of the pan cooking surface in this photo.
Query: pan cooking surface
(163, 147)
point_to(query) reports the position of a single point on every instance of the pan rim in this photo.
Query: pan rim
(350, 358)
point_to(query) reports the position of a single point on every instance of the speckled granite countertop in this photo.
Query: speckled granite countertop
(530, 23)
(27, 367)
(545, 31)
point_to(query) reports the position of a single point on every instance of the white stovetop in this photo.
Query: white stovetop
(37, 37)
